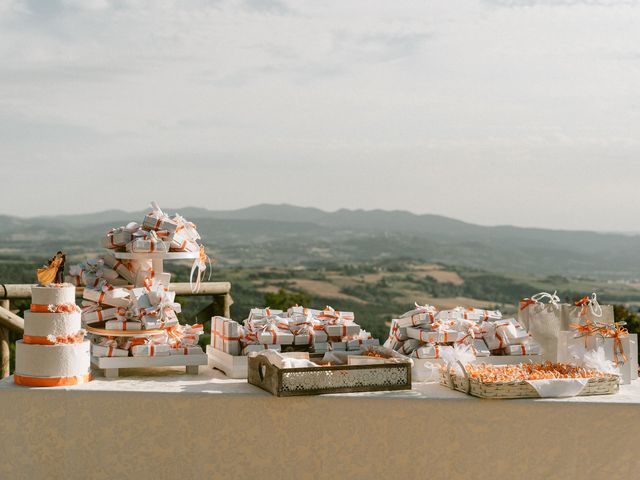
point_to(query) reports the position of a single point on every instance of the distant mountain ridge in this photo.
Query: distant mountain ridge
(284, 233)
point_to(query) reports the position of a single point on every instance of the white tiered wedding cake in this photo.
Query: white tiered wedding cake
(53, 351)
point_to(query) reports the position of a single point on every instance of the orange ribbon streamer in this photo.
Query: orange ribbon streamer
(616, 333)
(526, 302)
(583, 302)
(585, 330)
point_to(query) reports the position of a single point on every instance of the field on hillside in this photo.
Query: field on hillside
(375, 291)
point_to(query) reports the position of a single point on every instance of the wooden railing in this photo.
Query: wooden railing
(220, 304)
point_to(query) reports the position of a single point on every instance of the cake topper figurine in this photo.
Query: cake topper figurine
(53, 271)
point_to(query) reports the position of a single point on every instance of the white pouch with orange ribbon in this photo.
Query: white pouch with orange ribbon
(541, 315)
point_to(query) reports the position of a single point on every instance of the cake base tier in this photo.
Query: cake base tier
(56, 361)
(27, 381)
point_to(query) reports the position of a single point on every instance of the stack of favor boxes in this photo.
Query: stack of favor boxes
(297, 329)
(425, 333)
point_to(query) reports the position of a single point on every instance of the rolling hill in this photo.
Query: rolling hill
(289, 235)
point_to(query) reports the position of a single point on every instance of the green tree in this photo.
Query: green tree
(622, 314)
(283, 299)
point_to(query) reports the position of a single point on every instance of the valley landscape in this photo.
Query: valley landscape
(376, 263)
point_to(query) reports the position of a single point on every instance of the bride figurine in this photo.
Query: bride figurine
(53, 271)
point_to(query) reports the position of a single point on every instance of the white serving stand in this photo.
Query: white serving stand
(157, 259)
(233, 366)
(237, 366)
(111, 365)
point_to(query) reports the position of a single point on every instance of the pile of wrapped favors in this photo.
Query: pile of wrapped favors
(299, 328)
(425, 332)
(127, 295)
(151, 307)
(158, 233)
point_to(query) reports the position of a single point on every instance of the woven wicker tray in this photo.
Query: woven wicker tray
(607, 385)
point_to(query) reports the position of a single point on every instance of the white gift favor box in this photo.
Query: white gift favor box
(319, 336)
(154, 221)
(259, 313)
(362, 344)
(116, 297)
(345, 329)
(147, 245)
(480, 348)
(116, 238)
(150, 350)
(322, 347)
(102, 351)
(430, 351)
(120, 266)
(303, 311)
(192, 350)
(225, 335)
(180, 242)
(158, 278)
(416, 319)
(512, 331)
(431, 336)
(338, 346)
(152, 323)
(302, 339)
(122, 325)
(275, 337)
(101, 315)
(235, 366)
(523, 349)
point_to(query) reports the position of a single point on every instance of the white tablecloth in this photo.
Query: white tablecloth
(170, 425)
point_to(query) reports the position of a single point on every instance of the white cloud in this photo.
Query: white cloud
(464, 109)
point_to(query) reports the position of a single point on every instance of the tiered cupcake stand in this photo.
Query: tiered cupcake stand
(110, 366)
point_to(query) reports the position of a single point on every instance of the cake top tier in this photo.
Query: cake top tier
(53, 294)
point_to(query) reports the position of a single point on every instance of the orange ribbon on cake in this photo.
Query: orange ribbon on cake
(59, 308)
(50, 381)
(36, 340)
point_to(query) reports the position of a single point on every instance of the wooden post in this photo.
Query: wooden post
(5, 353)
(221, 305)
(227, 302)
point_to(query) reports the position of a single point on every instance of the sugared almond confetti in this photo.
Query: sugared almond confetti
(517, 373)
(373, 353)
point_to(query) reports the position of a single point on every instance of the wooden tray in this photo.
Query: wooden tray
(286, 382)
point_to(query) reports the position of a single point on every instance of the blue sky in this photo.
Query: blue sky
(495, 112)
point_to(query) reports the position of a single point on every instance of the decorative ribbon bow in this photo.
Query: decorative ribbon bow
(158, 214)
(127, 313)
(428, 309)
(198, 268)
(617, 331)
(590, 304)
(271, 326)
(586, 330)
(188, 227)
(538, 297)
(308, 328)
